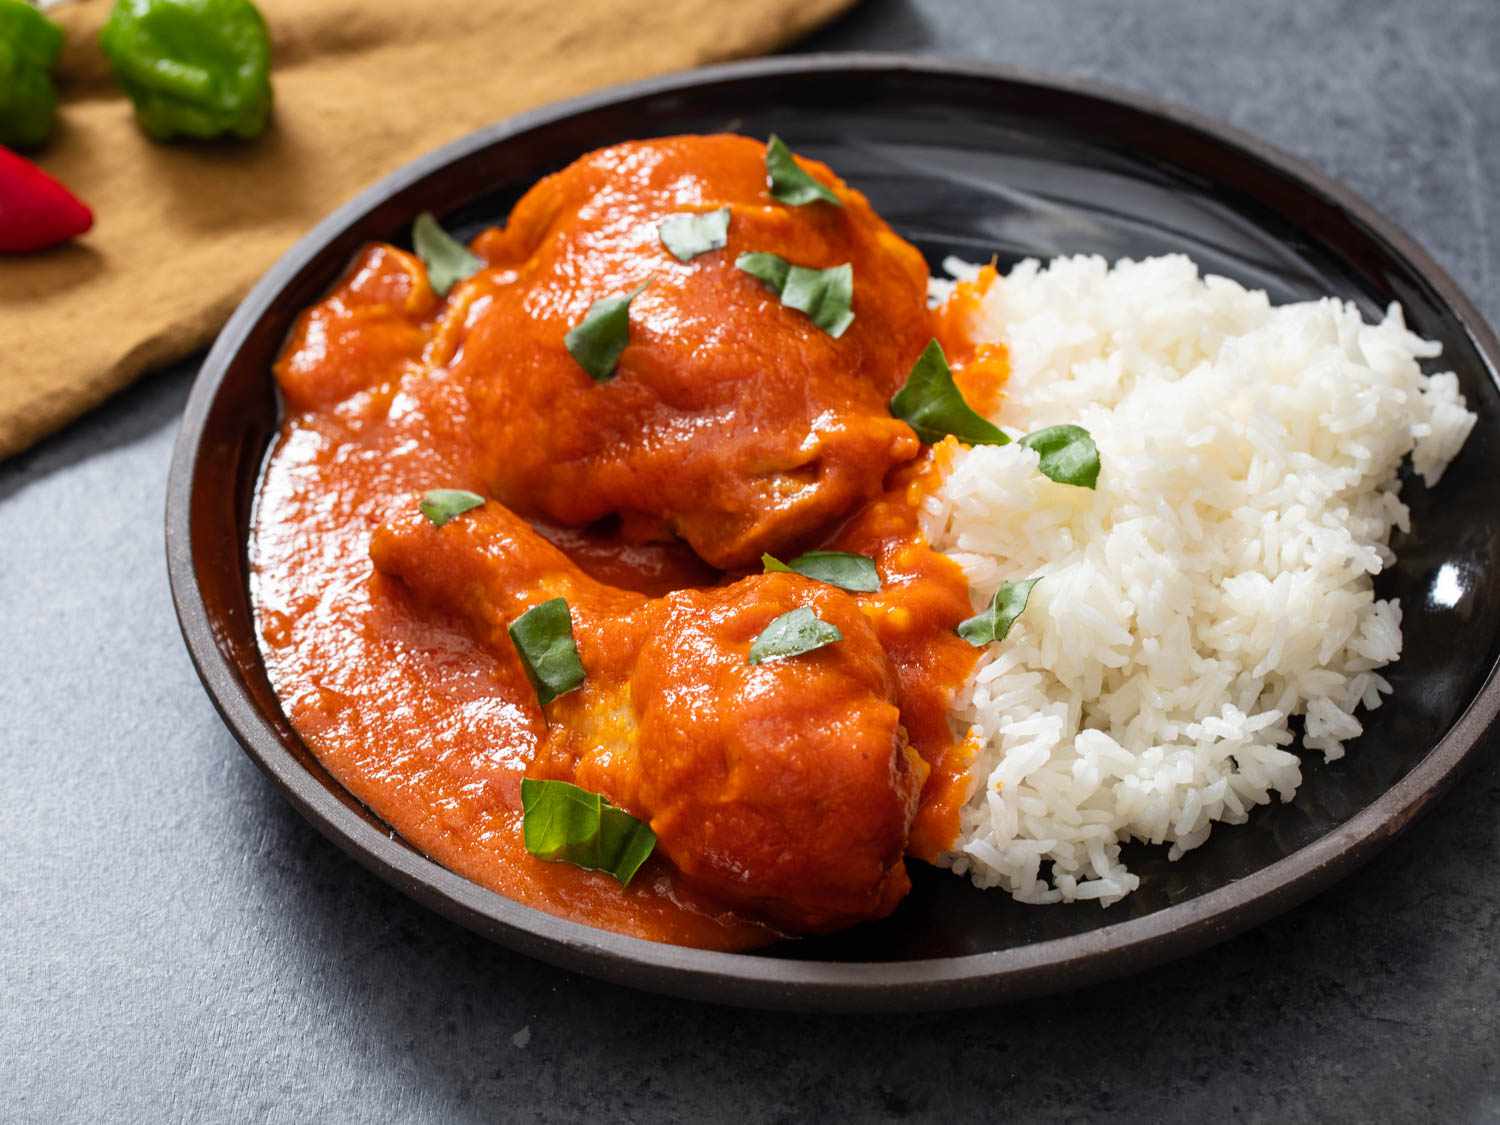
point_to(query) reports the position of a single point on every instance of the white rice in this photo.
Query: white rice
(1217, 582)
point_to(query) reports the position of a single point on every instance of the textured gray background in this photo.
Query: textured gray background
(176, 944)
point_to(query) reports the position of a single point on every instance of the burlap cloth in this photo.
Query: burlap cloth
(362, 86)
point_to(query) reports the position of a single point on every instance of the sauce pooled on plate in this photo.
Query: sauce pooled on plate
(736, 421)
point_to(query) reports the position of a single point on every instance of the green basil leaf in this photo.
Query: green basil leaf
(931, 404)
(692, 233)
(543, 635)
(448, 261)
(793, 633)
(598, 339)
(769, 268)
(855, 573)
(1069, 455)
(995, 621)
(824, 295)
(562, 823)
(624, 842)
(442, 504)
(558, 817)
(789, 183)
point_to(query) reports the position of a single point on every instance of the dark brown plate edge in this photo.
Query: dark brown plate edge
(747, 979)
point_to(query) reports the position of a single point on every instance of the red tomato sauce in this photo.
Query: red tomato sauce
(393, 390)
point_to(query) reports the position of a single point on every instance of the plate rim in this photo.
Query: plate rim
(748, 979)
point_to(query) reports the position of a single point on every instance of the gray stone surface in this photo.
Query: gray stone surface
(176, 944)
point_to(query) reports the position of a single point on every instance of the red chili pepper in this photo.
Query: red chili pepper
(35, 210)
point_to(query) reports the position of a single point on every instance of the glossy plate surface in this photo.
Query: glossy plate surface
(962, 160)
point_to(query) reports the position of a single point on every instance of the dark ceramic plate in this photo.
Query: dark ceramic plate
(973, 161)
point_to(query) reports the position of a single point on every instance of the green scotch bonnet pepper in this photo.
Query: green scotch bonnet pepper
(29, 43)
(193, 68)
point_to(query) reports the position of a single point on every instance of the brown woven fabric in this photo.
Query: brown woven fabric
(362, 86)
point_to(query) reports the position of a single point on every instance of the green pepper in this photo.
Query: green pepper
(29, 43)
(193, 68)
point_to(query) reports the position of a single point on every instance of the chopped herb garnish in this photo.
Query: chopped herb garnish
(788, 182)
(442, 504)
(543, 635)
(448, 261)
(772, 269)
(793, 633)
(1069, 455)
(565, 824)
(598, 339)
(824, 295)
(995, 621)
(693, 233)
(931, 404)
(856, 573)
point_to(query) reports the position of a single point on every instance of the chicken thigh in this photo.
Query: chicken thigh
(730, 420)
(785, 788)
